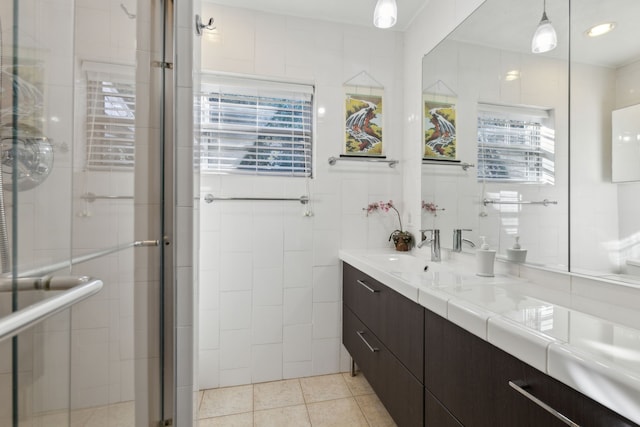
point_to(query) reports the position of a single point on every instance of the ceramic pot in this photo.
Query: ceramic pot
(402, 240)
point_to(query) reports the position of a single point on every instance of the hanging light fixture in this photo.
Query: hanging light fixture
(385, 14)
(545, 38)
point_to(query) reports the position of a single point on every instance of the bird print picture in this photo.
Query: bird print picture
(439, 130)
(363, 125)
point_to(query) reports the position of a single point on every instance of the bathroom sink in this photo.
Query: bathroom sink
(397, 263)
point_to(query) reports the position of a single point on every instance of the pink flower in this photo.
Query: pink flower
(431, 207)
(372, 207)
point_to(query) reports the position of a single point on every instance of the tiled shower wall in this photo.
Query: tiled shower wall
(270, 295)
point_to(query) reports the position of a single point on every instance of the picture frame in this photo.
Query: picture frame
(439, 130)
(363, 124)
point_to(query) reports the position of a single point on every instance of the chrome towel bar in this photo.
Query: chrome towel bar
(392, 162)
(80, 288)
(91, 197)
(210, 198)
(544, 202)
(465, 166)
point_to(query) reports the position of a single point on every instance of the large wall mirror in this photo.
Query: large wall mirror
(605, 87)
(523, 118)
(510, 108)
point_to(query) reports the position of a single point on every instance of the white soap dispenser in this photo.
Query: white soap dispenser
(485, 258)
(516, 254)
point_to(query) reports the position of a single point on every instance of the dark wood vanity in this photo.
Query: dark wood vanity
(430, 372)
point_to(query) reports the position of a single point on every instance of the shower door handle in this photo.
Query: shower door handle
(76, 289)
(44, 283)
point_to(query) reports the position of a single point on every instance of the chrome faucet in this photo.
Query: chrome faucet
(434, 240)
(458, 240)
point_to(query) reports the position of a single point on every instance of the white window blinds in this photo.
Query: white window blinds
(111, 103)
(515, 144)
(255, 127)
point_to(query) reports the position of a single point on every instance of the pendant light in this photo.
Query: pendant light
(385, 14)
(545, 38)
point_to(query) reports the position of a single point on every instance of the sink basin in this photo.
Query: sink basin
(397, 263)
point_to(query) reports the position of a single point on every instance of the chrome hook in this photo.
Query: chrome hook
(200, 26)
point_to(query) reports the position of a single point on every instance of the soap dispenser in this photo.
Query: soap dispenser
(516, 254)
(485, 258)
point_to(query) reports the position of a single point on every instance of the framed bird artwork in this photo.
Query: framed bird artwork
(439, 130)
(363, 124)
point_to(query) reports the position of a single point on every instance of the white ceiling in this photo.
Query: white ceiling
(507, 24)
(358, 12)
(510, 24)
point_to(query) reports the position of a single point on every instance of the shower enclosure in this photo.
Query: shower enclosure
(86, 213)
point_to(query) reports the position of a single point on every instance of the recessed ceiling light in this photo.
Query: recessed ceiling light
(600, 29)
(512, 75)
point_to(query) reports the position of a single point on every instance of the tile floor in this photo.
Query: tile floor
(328, 400)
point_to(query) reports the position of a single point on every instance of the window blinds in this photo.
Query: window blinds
(255, 127)
(110, 129)
(515, 145)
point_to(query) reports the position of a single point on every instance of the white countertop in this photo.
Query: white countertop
(595, 356)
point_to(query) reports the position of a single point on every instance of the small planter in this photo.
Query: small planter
(402, 239)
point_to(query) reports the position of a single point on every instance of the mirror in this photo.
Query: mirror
(511, 122)
(492, 77)
(625, 144)
(605, 80)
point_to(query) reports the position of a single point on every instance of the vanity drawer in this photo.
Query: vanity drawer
(400, 392)
(395, 320)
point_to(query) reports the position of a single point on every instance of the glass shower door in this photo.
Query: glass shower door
(80, 259)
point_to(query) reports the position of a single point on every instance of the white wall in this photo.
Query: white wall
(270, 294)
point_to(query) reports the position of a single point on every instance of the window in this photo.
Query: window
(111, 103)
(515, 144)
(255, 127)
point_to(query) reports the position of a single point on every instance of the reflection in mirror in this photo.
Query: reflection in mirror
(511, 121)
(625, 144)
(605, 81)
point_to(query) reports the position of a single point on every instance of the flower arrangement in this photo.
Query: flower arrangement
(431, 208)
(401, 239)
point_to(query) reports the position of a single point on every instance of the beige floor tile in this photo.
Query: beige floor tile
(237, 420)
(200, 396)
(80, 417)
(226, 401)
(358, 385)
(117, 415)
(57, 419)
(336, 413)
(277, 394)
(325, 387)
(374, 411)
(291, 416)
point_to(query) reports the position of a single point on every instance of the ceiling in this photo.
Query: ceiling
(507, 24)
(513, 22)
(358, 12)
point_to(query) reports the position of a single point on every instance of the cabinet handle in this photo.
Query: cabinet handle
(520, 387)
(361, 335)
(367, 287)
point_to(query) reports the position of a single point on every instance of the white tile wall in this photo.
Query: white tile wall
(279, 281)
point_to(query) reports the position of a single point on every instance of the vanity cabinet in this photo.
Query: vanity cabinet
(383, 332)
(394, 319)
(457, 372)
(470, 378)
(461, 380)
